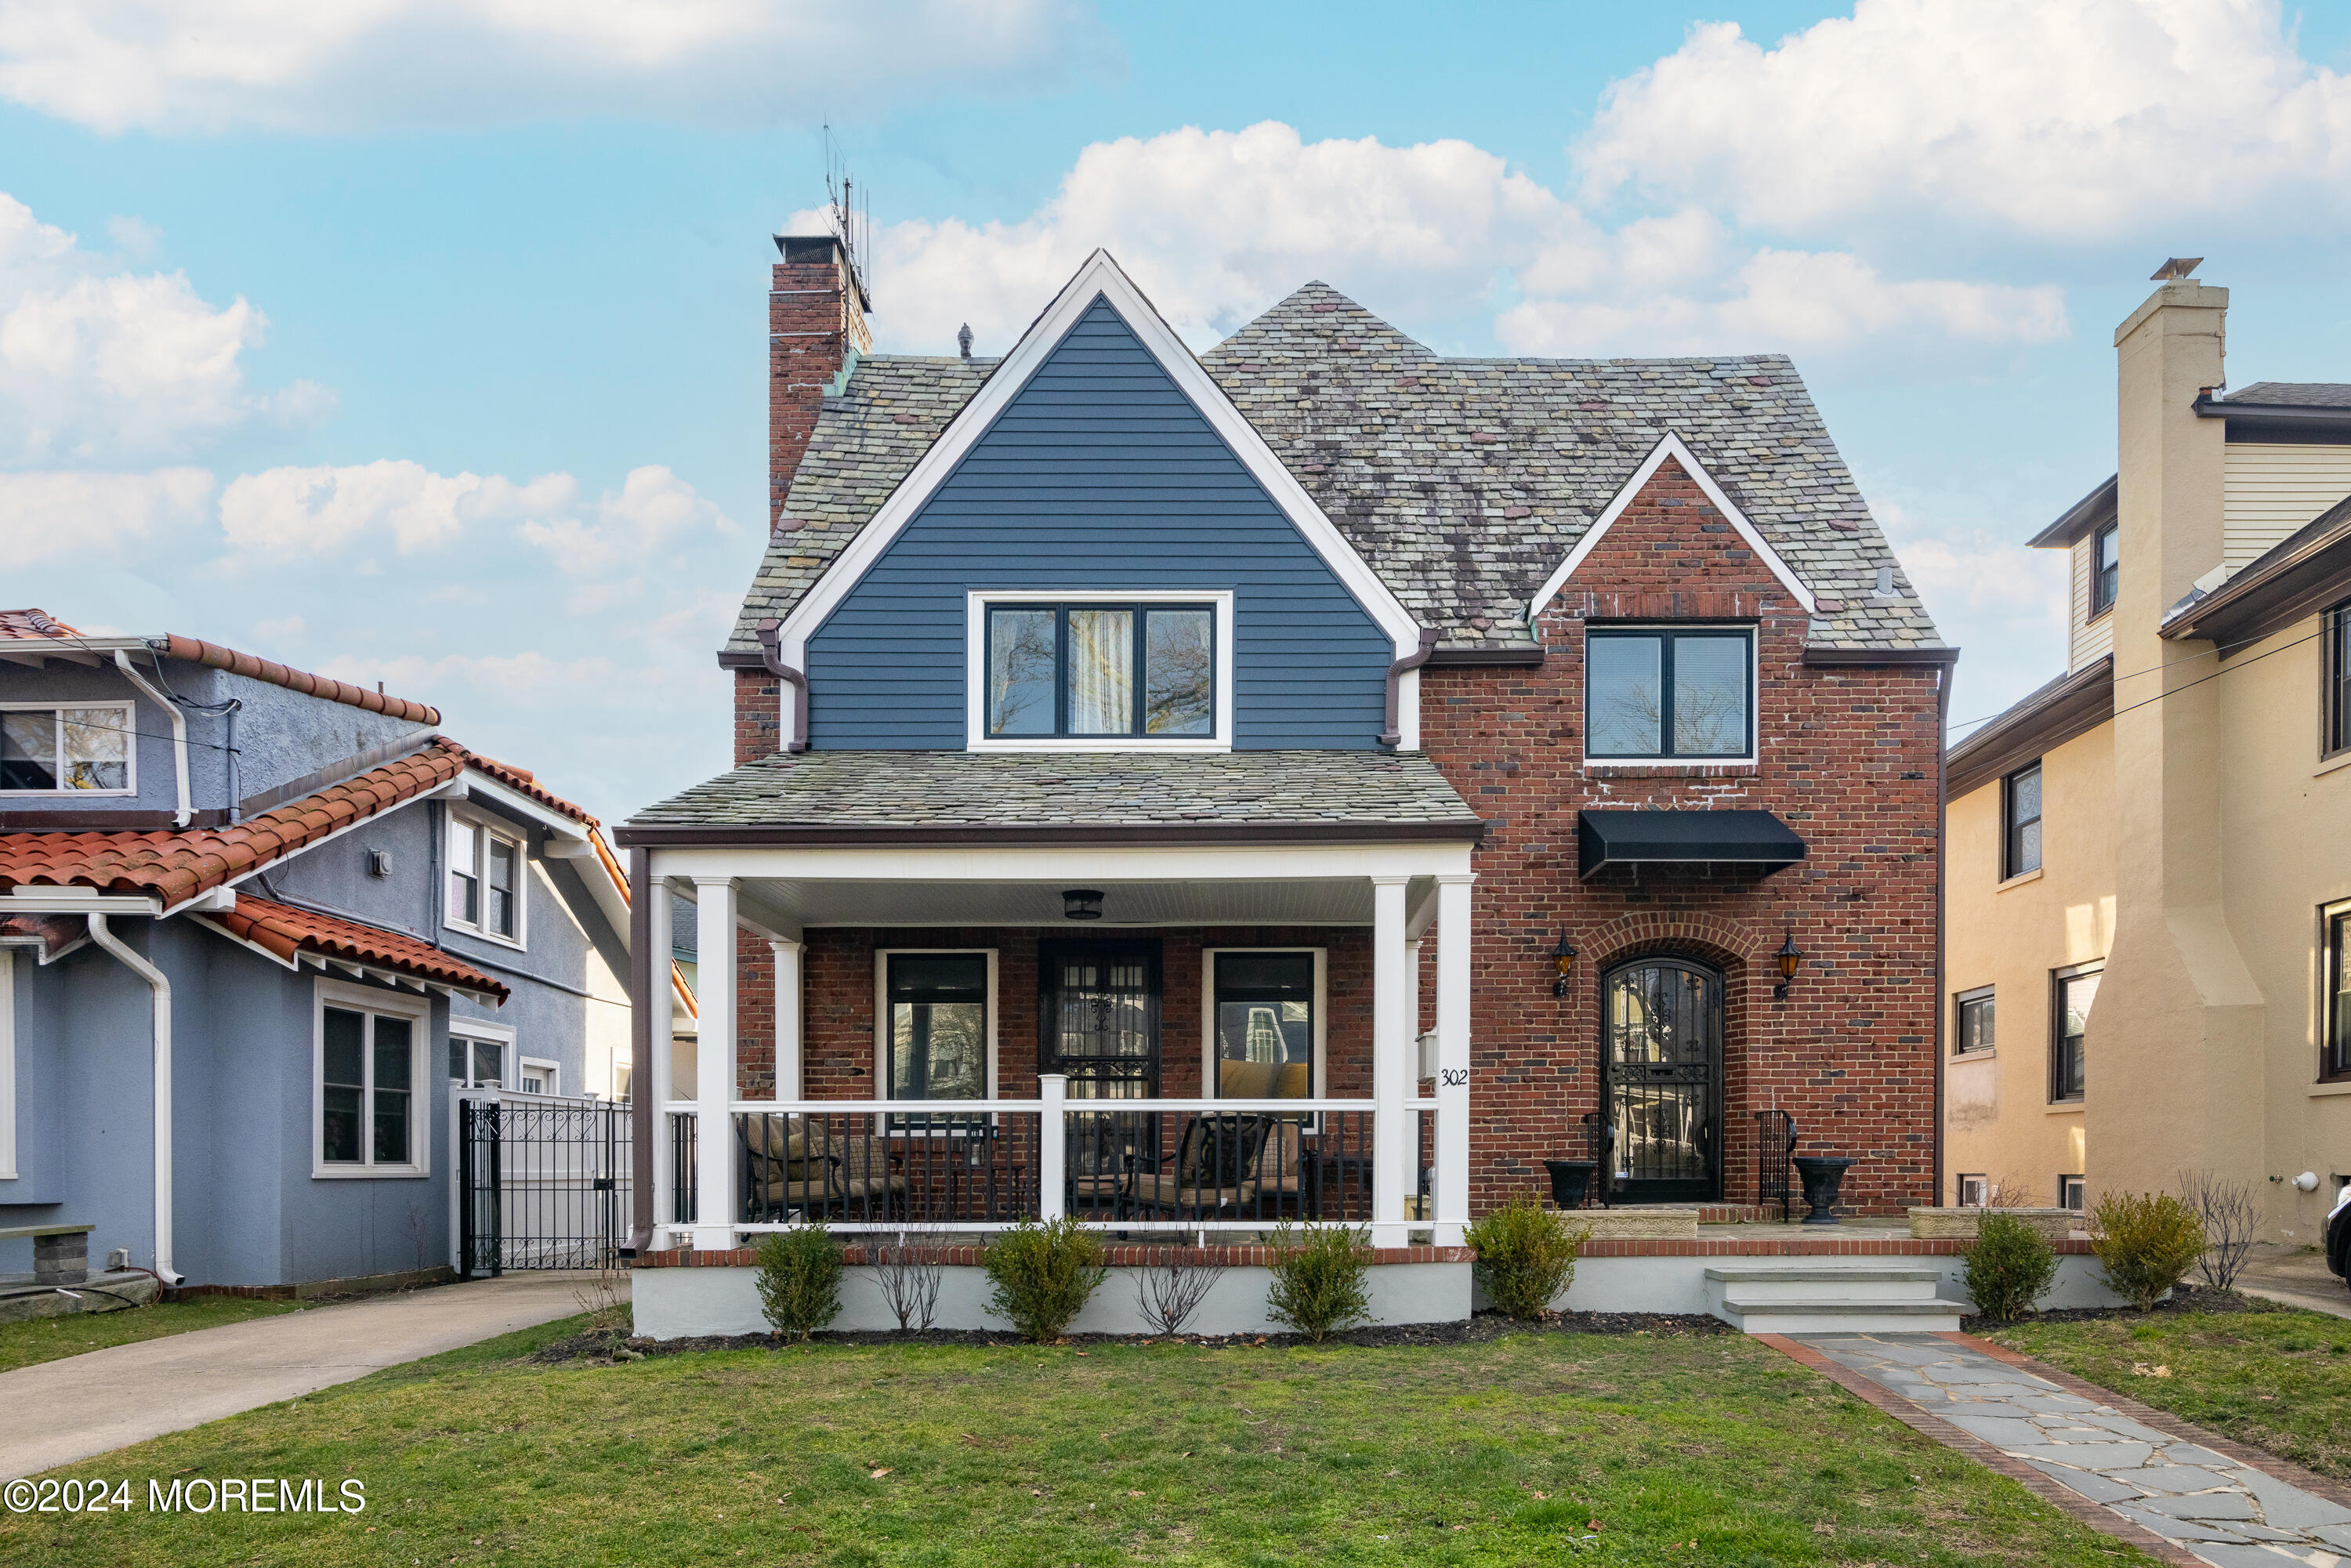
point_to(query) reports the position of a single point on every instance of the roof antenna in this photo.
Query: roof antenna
(852, 216)
(963, 339)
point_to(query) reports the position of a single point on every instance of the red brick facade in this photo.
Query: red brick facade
(1847, 758)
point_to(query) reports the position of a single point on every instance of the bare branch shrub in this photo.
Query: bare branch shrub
(2012, 1191)
(2231, 1212)
(909, 1272)
(1171, 1290)
(599, 1295)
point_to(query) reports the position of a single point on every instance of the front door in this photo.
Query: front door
(1661, 1061)
(1099, 1021)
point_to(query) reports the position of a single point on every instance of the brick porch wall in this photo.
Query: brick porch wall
(1847, 758)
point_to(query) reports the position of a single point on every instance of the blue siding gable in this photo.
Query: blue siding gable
(1099, 476)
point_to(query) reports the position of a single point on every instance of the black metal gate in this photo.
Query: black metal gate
(542, 1183)
(1661, 1062)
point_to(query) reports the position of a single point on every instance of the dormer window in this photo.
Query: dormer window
(1082, 672)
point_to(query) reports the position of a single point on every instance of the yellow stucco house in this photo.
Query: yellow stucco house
(2148, 859)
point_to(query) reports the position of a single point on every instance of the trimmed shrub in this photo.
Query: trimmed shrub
(2011, 1266)
(1322, 1281)
(2146, 1243)
(1526, 1256)
(799, 1280)
(1044, 1275)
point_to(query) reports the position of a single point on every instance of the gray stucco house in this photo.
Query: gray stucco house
(256, 927)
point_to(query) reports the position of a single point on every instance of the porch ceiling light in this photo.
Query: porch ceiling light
(1081, 904)
(1789, 955)
(1564, 956)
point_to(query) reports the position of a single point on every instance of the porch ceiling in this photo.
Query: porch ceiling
(786, 903)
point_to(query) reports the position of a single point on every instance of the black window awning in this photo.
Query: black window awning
(1684, 838)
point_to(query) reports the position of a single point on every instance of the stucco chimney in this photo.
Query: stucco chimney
(816, 331)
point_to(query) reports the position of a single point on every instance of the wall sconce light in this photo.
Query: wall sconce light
(1081, 904)
(1789, 955)
(1564, 956)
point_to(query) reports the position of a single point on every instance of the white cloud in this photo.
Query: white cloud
(319, 510)
(1215, 225)
(98, 363)
(358, 65)
(627, 528)
(288, 626)
(2074, 121)
(53, 515)
(512, 681)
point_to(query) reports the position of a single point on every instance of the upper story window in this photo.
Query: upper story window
(1656, 692)
(2071, 1026)
(1973, 1033)
(2334, 1057)
(1066, 671)
(2019, 811)
(56, 749)
(2106, 567)
(485, 872)
(2335, 661)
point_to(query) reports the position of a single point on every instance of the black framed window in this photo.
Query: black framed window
(2076, 993)
(938, 1025)
(2335, 660)
(2335, 1062)
(1972, 1027)
(1653, 692)
(2106, 569)
(2020, 811)
(1082, 670)
(1265, 1026)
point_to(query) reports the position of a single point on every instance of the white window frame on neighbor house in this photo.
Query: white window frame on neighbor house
(2079, 1190)
(882, 956)
(59, 707)
(551, 1071)
(501, 1035)
(1667, 629)
(1975, 1191)
(374, 1003)
(486, 828)
(7, 1065)
(1219, 602)
(1321, 1086)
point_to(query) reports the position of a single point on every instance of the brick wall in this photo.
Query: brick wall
(1847, 758)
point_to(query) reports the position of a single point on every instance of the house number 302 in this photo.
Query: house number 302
(1454, 1078)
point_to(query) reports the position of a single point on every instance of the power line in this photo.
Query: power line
(2219, 651)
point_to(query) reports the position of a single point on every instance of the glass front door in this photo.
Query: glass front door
(1100, 1017)
(1662, 1067)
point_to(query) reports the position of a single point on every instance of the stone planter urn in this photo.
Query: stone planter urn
(1570, 1179)
(1823, 1175)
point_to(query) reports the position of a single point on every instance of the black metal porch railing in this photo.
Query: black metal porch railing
(684, 1170)
(1246, 1167)
(865, 1169)
(1775, 1142)
(543, 1183)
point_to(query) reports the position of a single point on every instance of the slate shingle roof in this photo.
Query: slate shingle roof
(883, 789)
(1464, 482)
(2296, 394)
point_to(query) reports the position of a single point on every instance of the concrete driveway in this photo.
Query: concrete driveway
(61, 1411)
(2295, 1276)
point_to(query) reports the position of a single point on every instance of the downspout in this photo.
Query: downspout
(179, 732)
(1393, 734)
(161, 988)
(795, 715)
(1942, 861)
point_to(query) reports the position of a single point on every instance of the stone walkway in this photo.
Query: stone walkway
(2220, 1510)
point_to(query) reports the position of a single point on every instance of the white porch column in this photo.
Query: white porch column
(787, 1017)
(713, 1228)
(1395, 1145)
(1052, 1145)
(651, 1078)
(1452, 1174)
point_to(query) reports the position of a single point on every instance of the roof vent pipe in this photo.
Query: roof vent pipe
(963, 339)
(160, 987)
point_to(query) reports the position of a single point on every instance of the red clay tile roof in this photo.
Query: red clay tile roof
(176, 866)
(19, 624)
(286, 931)
(197, 651)
(522, 778)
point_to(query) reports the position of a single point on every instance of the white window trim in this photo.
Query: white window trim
(361, 998)
(1321, 1087)
(1959, 1190)
(882, 956)
(975, 736)
(7, 1065)
(554, 1071)
(485, 824)
(498, 1034)
(1754, 694)
(129, 751)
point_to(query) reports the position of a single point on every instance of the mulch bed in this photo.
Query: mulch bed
(605, 1344)
(2184, 1298)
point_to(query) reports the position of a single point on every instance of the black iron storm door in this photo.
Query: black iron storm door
(1661, 1068)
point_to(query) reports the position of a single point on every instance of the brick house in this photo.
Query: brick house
(1318, 777)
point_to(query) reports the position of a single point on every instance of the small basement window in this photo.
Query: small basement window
(57, 751)
(2071, 1192)
(1669, 693)
(1975, 1191)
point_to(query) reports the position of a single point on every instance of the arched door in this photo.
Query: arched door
(1661, 1069)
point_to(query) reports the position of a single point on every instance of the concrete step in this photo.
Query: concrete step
(1823, 1315)
(1764, 1282)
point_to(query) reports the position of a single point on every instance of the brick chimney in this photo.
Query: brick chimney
(816, 329)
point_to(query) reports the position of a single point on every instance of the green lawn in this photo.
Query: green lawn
(2280, 1381)
(1708, 1449)
(47, 1339)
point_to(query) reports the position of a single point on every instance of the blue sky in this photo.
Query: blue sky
(395, 342)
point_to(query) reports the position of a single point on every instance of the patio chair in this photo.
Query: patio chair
(1227, 1167)
(827, 1177)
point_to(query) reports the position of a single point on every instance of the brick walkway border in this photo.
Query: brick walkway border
(2049, 1490)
